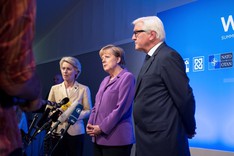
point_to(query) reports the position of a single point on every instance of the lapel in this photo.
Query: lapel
(104, 85)
(146, 66)
(73, 95)
(62, 89)
(107, 81)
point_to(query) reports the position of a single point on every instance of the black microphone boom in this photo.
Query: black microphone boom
(54, 104)
(44, 117)
(32, 125)
(27, 137)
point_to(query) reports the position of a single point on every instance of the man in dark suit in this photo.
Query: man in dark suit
(164, 105)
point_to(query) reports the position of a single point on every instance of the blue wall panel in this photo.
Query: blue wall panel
(203, 33)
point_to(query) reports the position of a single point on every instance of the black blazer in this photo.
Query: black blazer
(164, 106)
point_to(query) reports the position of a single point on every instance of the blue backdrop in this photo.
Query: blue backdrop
(203, 33)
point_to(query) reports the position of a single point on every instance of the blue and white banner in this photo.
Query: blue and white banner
(203, 33)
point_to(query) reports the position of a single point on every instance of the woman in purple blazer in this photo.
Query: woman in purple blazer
(110, 123)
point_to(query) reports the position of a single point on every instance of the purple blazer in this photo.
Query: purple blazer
(113, 110)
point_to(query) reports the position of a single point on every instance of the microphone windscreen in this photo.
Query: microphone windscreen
(44, 117)
(54, 117)
(65, 107)
(64, 101)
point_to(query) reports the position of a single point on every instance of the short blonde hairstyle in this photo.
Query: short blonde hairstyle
(73, 61)
(116, 51)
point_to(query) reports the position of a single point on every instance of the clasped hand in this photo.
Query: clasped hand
(93, 130)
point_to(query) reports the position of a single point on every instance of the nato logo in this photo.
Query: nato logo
(198, 63)
(214, 62)
(220, 61)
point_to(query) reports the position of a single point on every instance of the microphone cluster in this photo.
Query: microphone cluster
(56, 105)
(71, 115)
(58, 113)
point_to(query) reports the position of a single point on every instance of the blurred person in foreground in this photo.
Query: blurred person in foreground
(19, 85)
(73, 140)
(164, 105)
(110, 123)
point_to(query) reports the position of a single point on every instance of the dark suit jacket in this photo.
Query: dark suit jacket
(164, 106)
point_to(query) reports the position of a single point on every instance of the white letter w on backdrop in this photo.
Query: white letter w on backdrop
(226, 25)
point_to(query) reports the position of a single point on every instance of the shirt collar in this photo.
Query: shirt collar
(152, 50)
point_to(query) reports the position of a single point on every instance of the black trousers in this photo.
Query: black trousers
(68, 146)
(100, 150)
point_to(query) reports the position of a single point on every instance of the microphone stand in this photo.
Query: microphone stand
(62, 134)
(27, 137)
(40, 129)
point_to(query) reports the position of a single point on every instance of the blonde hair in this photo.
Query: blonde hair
(73, 61)
(116, 51)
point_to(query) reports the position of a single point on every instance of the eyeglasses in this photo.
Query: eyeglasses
(137, 32)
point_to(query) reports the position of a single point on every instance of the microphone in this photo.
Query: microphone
(75, 114)
(43, 124)
(54, 117)
(56, 105)
(45, 115)
(73, 118)
(63, 117)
